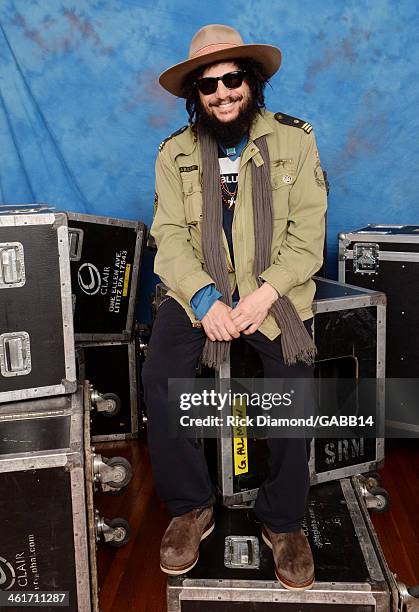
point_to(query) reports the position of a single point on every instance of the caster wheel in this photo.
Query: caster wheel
(122, 472)
(121, 532)
(114, 404)
(382, 499)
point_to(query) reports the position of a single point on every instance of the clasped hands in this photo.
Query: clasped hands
(225, 323)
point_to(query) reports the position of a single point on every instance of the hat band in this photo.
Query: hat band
(212, 49)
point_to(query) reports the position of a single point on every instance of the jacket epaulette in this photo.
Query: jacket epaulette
(182, 129)
(294, 122)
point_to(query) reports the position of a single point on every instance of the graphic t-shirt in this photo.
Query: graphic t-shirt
(229, 162)
(229, 177)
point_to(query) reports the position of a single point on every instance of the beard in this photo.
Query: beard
(229, 133)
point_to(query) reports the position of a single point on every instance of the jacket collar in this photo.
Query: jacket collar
(260, 127)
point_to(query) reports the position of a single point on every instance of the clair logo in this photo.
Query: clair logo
(89, 278)
(7, 575)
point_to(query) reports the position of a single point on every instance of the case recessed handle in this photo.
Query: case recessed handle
(15, 354)
(75, 238)
(241, 552)
(12, 265)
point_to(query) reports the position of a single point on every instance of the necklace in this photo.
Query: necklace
(229, 197)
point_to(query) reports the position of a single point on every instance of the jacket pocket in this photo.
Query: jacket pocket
(281, 185)
(192, 198)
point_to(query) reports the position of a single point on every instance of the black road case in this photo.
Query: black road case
(110, 367)
(351, 572)
(386, 258)
(46, 513)
(105, 256)
(349, 332)
(37, 355)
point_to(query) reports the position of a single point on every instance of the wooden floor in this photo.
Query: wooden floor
(130, 578)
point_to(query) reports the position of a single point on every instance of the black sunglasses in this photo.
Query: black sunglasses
(232, 80)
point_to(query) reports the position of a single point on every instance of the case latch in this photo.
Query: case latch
(241, 552)
(15, 354)
(366, 257)
(75, 239)
(12, 265)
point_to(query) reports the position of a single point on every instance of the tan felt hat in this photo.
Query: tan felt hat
(218, 43)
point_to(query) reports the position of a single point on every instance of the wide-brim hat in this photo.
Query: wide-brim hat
(218, 43)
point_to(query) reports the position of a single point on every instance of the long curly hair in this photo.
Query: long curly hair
(254, 77)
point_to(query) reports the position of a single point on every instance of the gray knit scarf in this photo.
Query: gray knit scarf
(297, 344)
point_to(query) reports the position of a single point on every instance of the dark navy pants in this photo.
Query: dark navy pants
(180, 471)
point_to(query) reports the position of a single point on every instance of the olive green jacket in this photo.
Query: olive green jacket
(299, 205)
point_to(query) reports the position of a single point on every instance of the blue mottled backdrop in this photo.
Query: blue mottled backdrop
(82, 114)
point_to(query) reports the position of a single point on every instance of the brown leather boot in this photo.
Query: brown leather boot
(294, 565)
(179, 550)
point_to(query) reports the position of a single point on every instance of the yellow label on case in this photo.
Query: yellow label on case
(126, 280)
(241, 461)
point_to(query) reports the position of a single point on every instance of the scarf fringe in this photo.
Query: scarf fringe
(297, 344)
(215, 353)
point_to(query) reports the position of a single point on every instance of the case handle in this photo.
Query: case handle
(12, 265)
(75, 238)
(15, 354)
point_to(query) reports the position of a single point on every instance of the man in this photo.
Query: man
(239, 225)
